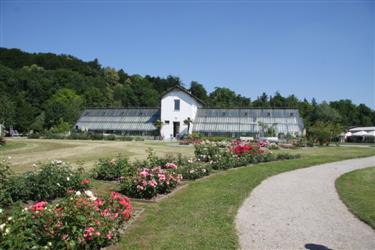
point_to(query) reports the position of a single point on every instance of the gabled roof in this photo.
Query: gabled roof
(178, 87)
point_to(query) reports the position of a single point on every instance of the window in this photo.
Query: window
(166, 122)
(291, 114)
(268, 114)
(177, 105)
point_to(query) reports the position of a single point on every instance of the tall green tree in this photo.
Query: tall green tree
(65, 105)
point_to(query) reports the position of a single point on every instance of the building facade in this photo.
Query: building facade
(180, 110)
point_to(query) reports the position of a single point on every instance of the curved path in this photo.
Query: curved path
(302, 210)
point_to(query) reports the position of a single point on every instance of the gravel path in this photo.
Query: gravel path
(302, 210)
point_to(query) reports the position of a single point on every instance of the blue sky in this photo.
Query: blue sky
(321, 49)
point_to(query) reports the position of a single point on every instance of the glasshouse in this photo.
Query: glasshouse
(181, 113)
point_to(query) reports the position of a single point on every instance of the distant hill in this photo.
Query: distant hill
(42, 90)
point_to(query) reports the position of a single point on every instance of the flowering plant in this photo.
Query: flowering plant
(112, 169)
(47, 182)
(80, 221)
(151, 181)
(195, 170)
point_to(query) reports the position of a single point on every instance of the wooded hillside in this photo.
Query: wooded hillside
(40, 91)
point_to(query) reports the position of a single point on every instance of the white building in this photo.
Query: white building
(179, 105)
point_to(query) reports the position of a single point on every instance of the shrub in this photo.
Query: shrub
(95, 136)
(126, 138)
(194, 171)
(5, 174)
(49, 181)
(286, 156)
(113, 169)
(149, 182)
(110, 137)
(2, 141)
(33, 136)
(273, 146)
(80, 221)
(208, 152)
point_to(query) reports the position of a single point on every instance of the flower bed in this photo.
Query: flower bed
(225, 155)
(49, 181)
(112, 169)
(150, 182)
(194, 170)
(79, 221)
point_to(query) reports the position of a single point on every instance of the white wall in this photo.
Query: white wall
(188, 108)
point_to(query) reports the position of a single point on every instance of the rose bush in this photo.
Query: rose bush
(80, 221)
(113, 169)
(194, 170)
(151, 181)
(47, 182)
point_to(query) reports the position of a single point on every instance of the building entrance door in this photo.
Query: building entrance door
(176, 128)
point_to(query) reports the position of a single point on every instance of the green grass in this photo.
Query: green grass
(11, 145)
(357, 190)
(202, 215)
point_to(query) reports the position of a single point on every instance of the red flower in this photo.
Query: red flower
(39, 206)
(86, 182)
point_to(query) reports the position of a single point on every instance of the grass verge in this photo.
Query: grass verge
(357, 190)
(202, 215)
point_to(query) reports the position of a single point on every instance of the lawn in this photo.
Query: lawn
(202, 215)
(25, 152)
(357, 190)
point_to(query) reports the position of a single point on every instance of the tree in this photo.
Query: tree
(38, 124)
(7, 111)
(198, 90)
(158, 124)
(278, 100)
(223, 98)
(188, 121)
(262, 101)
(65, 105)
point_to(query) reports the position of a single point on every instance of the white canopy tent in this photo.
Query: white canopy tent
(360, 133)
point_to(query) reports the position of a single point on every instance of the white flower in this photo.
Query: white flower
(1, 211)
(49, 243)
(58, 184)
(10, 218)
(25, 209)
(34, 165)
(6, 231)
(78, 193)
(203, 170)
(67, 178)
(90, 195)
(2, 226)
(9, 157)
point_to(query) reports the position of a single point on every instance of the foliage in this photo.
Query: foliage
(46, 87)
(47, 182)
(3, 142)
(323, 133)
(209, 152)
(149, 182)
(80, 221)
(60, 127)
(5, 174)
(113, 169)
(194, 170)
